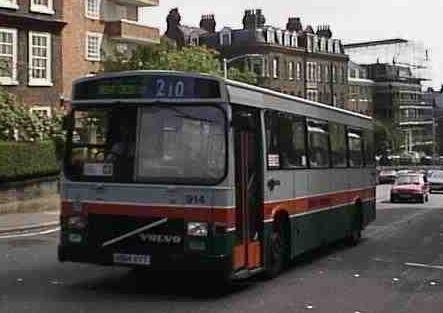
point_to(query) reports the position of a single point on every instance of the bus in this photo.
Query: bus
(171, 171)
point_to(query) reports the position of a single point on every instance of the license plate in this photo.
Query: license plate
(135, 259)
(404, 196)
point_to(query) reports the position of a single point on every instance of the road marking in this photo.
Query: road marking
(44, 232)
(437, 267)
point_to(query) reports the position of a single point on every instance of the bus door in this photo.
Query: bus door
(249, 193)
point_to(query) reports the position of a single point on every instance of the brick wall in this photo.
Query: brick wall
(23, 22)
(75, 64)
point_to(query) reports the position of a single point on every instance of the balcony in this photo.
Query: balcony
(139, 3)
(133, 32)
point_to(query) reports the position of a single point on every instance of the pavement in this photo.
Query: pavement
(397, 267)
(21, 222)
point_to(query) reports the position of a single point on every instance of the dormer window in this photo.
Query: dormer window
(316, 42)
(330, 46)
(287, 39)
(279, 37)
(294, 40)
(194, 40)
(323, 44)
(225, 37)
(309, 43)
(270, 37)
(337, 46)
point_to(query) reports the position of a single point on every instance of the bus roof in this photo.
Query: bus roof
(246, 94)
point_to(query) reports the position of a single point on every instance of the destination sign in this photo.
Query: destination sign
(147, 87)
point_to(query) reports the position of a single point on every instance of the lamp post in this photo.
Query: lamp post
(238, 57)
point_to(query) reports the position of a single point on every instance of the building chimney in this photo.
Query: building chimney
(324, 31)
(208, 23)
(253, 19)
(294, 24)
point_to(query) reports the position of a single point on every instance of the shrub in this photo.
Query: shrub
(20, 160)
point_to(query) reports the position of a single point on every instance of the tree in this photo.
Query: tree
(18, 123)
(165, 56)
(387, 137)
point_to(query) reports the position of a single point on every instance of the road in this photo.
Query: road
(398, 267)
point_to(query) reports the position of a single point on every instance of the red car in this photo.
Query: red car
(410, 187)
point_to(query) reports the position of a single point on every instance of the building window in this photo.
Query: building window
(275, 68)
(330, 46)
(298, 71)
(93, 46)
(41, 111)
(92, 8)
(270, 37)
(323, 44)
(291, 70)
(319, 73)
(42, 6)
(279, 37)
(225, 37)
(8, 56)
(10, 4)
(287, 39)
(40, 59)
(312, 95)
(316, 44)
(294, 42)
(309, 43)
(312, 71)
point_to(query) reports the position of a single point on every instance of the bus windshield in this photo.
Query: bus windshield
(153, 144)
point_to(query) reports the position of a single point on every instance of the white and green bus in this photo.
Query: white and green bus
(170, 170)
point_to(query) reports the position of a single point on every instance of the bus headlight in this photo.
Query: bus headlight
(77, 222)
(197, 229)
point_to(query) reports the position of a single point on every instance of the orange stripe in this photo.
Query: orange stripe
(311, 203)
(199, 214)
(224, 216)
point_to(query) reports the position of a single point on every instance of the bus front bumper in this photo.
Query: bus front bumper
(168, 262)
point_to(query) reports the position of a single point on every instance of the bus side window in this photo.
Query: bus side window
(337, 133)
(369, 151)
(318, 144)
(355, 146)
(285, 139)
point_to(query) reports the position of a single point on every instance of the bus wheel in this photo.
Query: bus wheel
(354, 236)
(278, 248)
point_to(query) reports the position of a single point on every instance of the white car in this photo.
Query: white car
(435, 181)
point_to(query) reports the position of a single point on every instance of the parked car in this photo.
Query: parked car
(387, 177)
(410, 187)
(435, 181)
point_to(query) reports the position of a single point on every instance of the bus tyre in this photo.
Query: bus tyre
(354, 236)
(421, 199)
(278, 256)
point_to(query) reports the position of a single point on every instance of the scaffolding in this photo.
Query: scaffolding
(400, 52)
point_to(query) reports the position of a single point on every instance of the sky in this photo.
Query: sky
(350, 20)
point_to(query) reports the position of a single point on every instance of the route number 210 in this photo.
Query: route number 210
(170, 89)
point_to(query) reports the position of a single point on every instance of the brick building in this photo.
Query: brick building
(360, 90)
(296, 60)
(31, 51)
(98, 28)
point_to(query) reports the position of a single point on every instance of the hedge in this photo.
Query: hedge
(20, 160)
